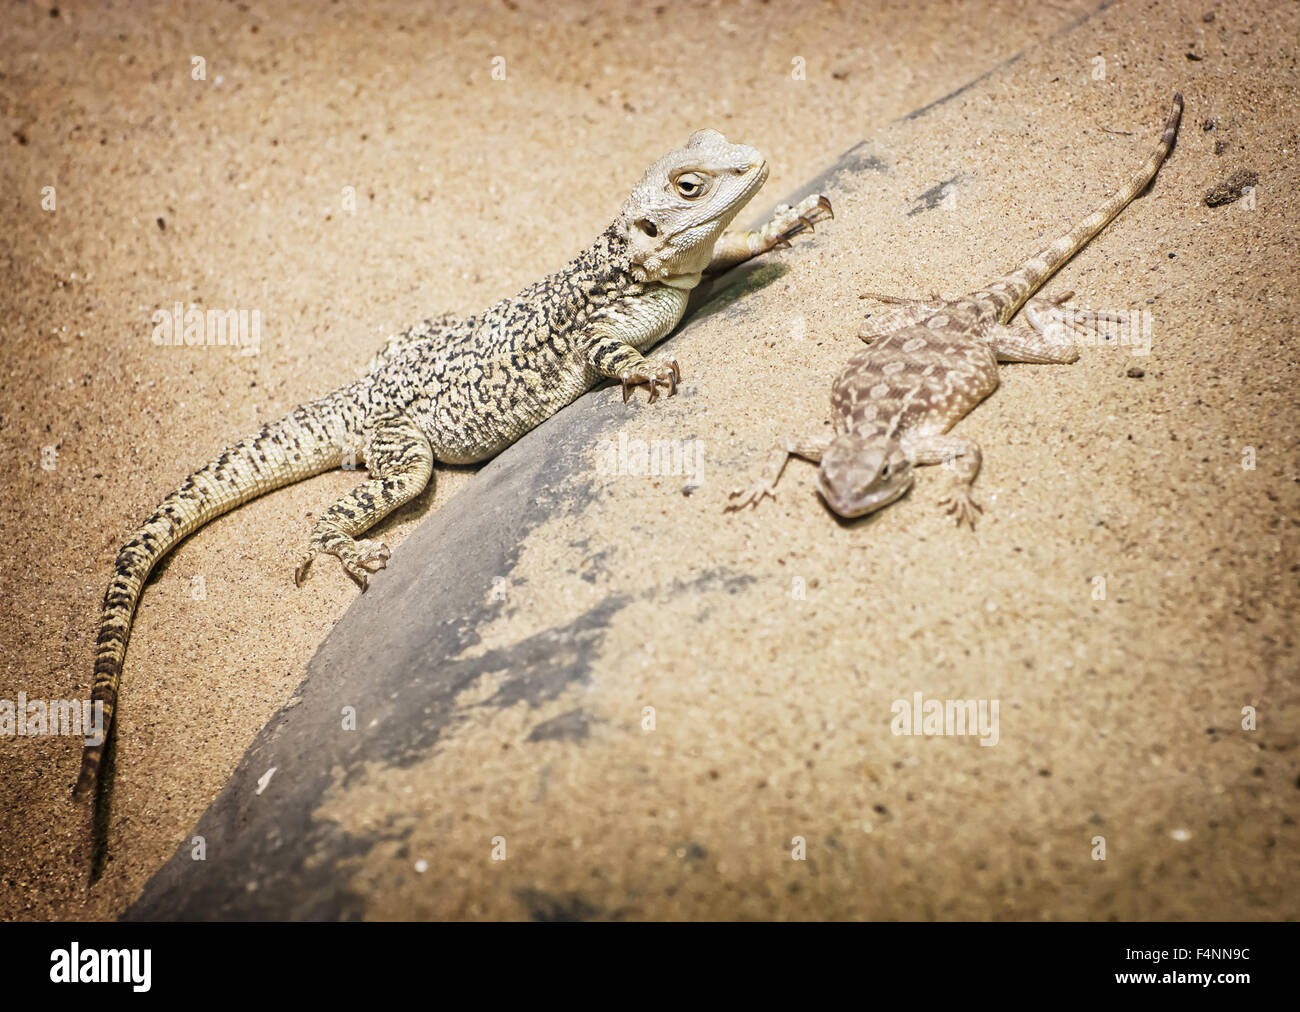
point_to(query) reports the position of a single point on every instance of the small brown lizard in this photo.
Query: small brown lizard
(930, 361)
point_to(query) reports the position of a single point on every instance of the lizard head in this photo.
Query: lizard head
(859, 474)
(685, 201)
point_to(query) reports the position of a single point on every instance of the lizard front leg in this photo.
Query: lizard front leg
(613, 357)
(400, 461)
(808, 447)
(738, 245)
(959, 454)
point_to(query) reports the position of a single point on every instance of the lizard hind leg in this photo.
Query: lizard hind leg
(1046, 332)
(400, 461)
(906, 313)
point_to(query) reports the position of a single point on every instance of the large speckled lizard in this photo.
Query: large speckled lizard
(461, 391)
(929, 362)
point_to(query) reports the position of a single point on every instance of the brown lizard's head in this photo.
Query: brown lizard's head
(859, 474)
(686, 200)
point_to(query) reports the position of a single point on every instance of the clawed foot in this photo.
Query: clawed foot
(791, 221)
(359, 559)
(1058, 323)
(653, 376)
(751, 496)
(962, 507)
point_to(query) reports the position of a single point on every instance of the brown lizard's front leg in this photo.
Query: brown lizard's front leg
(808, 447)
(739, 245)
(963, 457)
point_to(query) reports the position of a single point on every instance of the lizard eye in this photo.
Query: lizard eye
(884, 471)
(690, 185)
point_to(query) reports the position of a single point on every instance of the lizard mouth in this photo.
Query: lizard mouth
(849, 510)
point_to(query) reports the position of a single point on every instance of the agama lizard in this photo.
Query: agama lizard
(459, 392)
(929, 362)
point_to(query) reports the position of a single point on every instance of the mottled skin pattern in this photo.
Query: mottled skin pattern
(460, 391)
(930, 361)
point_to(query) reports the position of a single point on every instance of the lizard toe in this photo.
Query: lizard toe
(373, 555)
(300, 572)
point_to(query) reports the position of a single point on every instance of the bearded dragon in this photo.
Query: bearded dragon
(460, 391)
(929, 362)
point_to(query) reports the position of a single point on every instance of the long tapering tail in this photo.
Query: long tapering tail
(1013, 290)
(309, 440)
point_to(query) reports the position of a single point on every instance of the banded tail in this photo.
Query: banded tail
(309, 440)
(1013, 291)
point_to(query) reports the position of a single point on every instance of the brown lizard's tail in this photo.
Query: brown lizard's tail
(305, 442)
(1014, 290)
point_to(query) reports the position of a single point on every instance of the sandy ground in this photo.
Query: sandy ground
(1121, 716)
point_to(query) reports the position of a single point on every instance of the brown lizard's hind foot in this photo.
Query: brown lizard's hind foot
(1047, 332)
(900, 300)
(1059, 323)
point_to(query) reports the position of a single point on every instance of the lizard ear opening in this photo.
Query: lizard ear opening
(648, 227)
